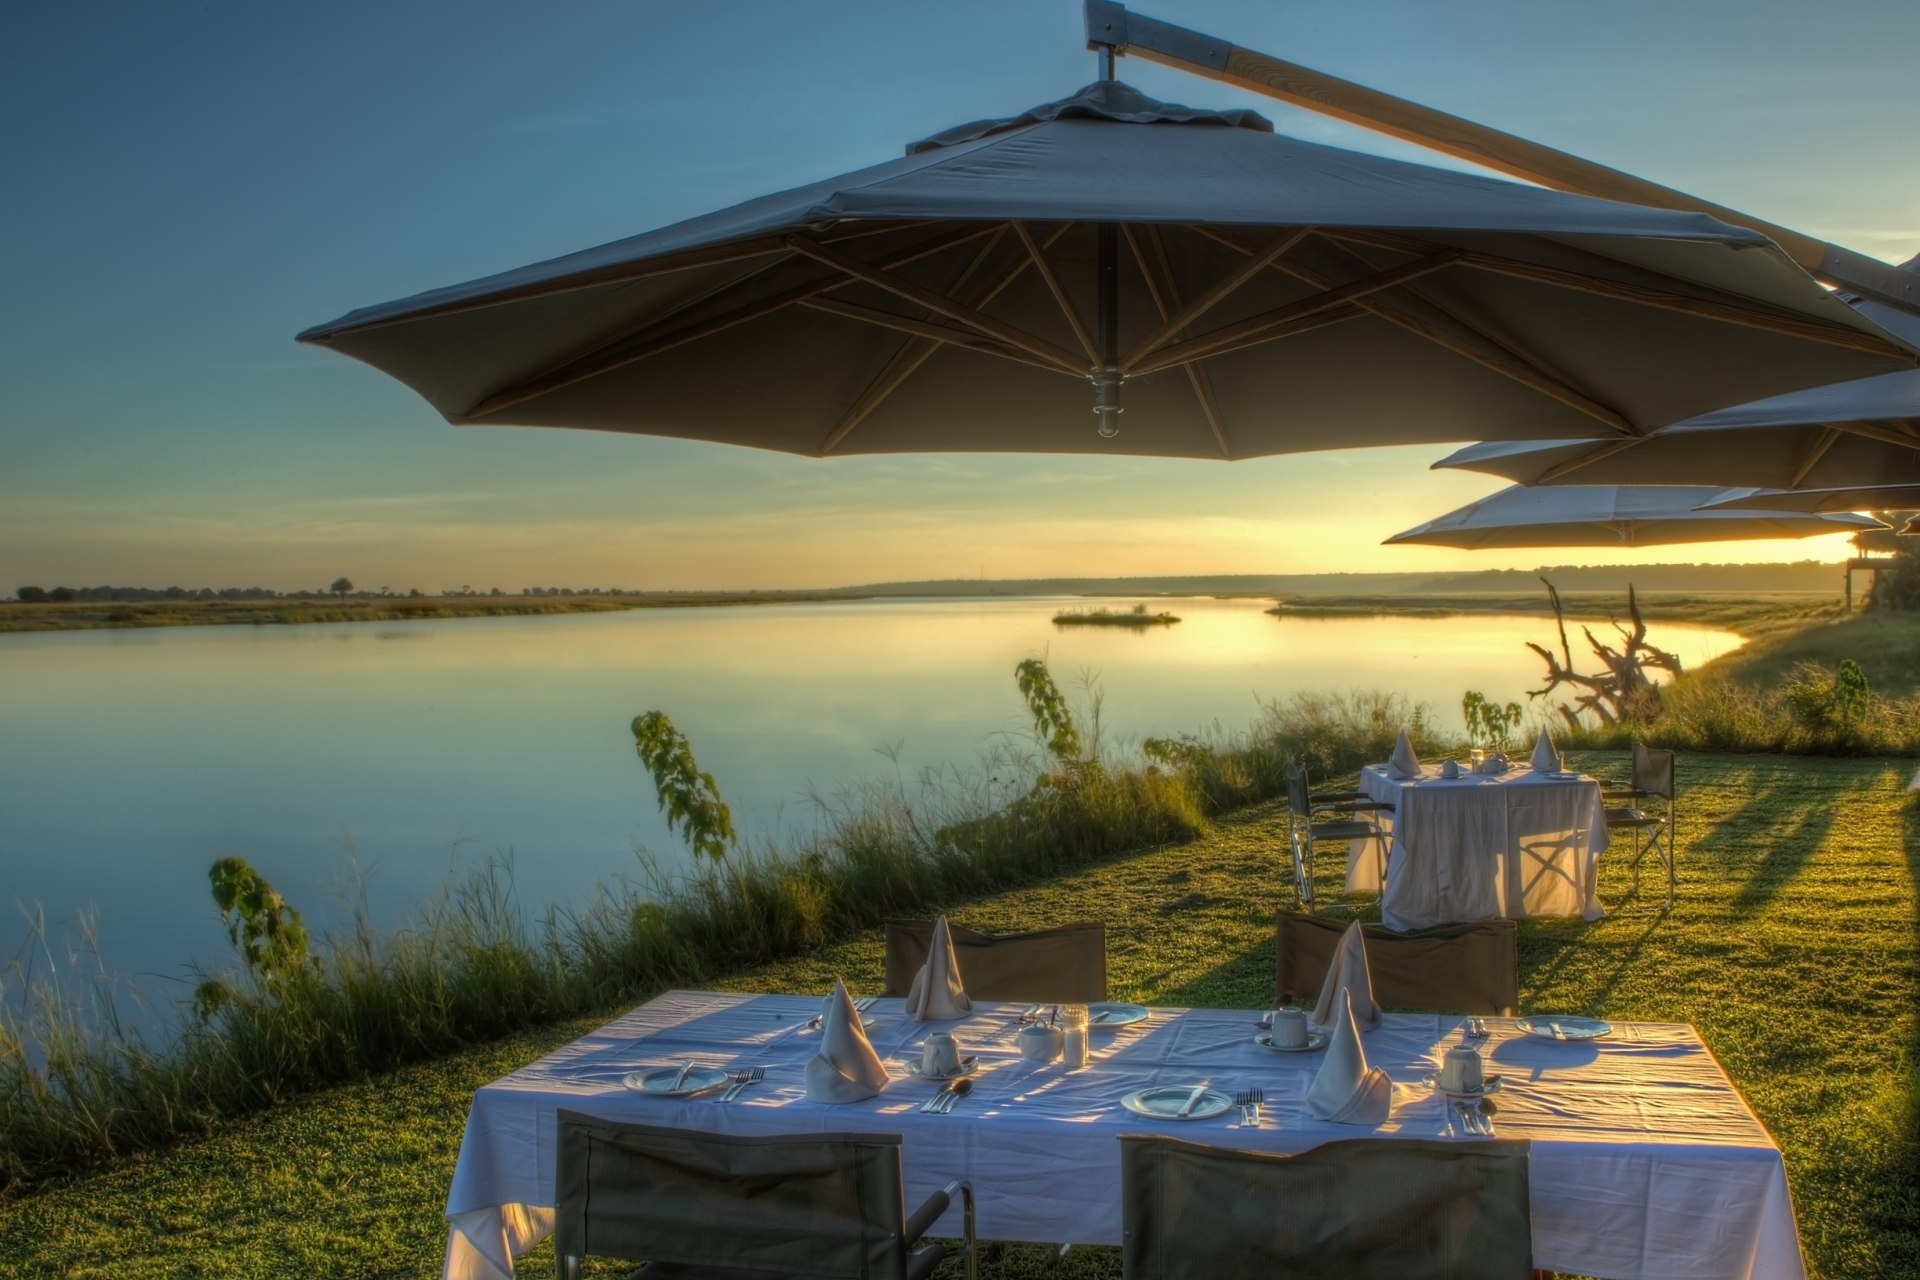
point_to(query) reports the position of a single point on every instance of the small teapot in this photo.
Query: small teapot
(1039, 1042)
(1496, 762)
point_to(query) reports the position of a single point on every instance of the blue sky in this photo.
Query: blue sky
(188, 186)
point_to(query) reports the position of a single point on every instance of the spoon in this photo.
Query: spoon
(1487, 1112)
(957, 1090)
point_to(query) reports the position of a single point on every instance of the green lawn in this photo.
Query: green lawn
(1793, 950)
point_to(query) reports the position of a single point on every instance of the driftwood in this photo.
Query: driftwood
(1622, 691)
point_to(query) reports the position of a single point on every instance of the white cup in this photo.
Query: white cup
(940, 1056)
(1461, 1070)
(1450, 769)
(1289, 1028)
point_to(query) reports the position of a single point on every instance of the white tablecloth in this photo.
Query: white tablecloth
(1645, 1163)
(1514, 846)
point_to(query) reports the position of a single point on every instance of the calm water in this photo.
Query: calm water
(410, 751)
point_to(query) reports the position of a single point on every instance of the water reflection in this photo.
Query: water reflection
(136, 758)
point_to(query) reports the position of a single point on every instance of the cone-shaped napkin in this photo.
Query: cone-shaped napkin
(846, 1069)
(1347, 1090)
(1347, 977)
(1403, 763)
(1545, 758)
(936, 992)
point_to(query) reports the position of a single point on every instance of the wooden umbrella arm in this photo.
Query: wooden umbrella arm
(1111, 26)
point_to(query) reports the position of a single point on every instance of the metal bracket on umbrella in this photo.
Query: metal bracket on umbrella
(1112, 30)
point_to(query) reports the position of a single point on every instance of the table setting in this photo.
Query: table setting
(1488, 839)
(1637, 1135)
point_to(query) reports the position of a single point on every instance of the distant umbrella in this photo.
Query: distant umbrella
(1613, 515)
(1877, 497)
(1864, 432)
(1011, 283)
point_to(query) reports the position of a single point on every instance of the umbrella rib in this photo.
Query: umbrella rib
(911, 355)
(637, 345)
(1197, 378)
(1212, 297)
(619, 273)
(1732, 313)
(1875, 431)
(1059, 292)
(881, 278)
(1463, 338)
(1283, 321)
(932, 330)
(1605, 449)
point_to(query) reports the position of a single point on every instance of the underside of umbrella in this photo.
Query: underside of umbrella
(1234, 292)
(1613, 515)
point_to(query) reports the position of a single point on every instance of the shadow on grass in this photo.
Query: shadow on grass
(1244, 981)
(1900, 1212)
(1784, 849)
(1544, 955)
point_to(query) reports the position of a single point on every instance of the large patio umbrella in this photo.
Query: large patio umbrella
(1859, 433)
(1613, 515)
(1236, 292)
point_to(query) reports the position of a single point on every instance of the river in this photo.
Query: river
(373, 761)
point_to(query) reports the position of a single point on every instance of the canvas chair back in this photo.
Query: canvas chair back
(1366, 1209)
(1653, 771)
(1452, 968)
(1298, 799)
(1067, 964)
(826, 1205)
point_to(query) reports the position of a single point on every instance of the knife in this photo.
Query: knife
(1193, 1100)
(682, 1077)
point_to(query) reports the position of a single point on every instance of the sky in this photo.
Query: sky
(186, 186)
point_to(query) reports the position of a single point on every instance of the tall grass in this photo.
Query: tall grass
(1797, 715)
(78, 1087)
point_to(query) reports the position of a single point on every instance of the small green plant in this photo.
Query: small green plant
(1052, 718)
(268, 934)
(1850, 691)
(1488, 723)
(688, 796)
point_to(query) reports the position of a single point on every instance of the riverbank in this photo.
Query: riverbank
(1752, 615)
(95, 615)
(1792, 949)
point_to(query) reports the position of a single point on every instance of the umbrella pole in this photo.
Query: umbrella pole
(1112, 30)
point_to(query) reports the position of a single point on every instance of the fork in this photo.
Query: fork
(741, 1079)
(861, 1005)
(1249, 1103)
(1477, 1028)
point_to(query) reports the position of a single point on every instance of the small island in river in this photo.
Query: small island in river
(1138, 617)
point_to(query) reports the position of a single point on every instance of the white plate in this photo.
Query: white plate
(1315, 1040)
(1117, 1015)
(1563, 1026)
(1562, 774)
(1490, 1085)
(1163, 1102)
(967, 1067)
(659, 1081)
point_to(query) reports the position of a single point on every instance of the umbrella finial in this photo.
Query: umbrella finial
(1106, 400)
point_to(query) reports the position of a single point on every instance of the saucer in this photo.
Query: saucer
(967, 1067)
(1315, 1040)
(1489, 1085)
(660, 1081)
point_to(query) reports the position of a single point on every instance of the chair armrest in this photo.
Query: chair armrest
(922, 1262)
(1356, 806)
(929, 1212)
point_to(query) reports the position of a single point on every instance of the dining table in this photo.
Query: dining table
(1518, 844)
(1644, 1160)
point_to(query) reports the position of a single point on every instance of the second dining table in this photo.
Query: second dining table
(1513, 845)
(1645, 1161)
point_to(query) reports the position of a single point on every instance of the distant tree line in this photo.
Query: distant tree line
(341, 588)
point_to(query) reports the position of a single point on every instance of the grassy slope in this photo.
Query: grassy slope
(1793, 950)
(1886, 645)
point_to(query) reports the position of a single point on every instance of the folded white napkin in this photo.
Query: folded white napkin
(846, 1069)
(1348, 982)
(1346, 1090)
(1545, 758)
(937, 993)
(1403, 763)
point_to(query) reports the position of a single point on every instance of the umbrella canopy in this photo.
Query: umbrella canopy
(1256, 295)
(1864, 432)
(1881, 497)
(1614, 515)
